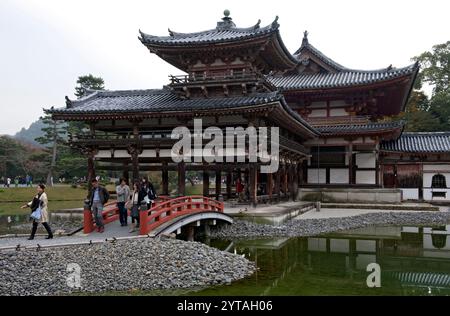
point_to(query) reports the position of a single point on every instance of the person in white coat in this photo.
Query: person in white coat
(40, 201)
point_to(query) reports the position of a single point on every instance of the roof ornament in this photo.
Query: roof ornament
(68, 102)
(275, 23)
(256, 26)
(226, 22)
(389, 67)
(305, 38)
(170, 32)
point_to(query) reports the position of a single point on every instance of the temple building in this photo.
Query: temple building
(331, 132)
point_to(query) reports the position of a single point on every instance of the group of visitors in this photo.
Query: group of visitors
(142, 192)
(7, 181)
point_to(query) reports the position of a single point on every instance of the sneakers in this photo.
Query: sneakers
(49, 237)
(132, 230)
(102, 229)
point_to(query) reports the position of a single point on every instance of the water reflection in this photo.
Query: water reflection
(17, 224)
(413, 261)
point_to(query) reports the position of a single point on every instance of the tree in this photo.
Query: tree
(54, 136)
(430, 114)
(435, 67)
(88, 82)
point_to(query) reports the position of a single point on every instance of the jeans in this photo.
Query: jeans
(123, 214)
(97, 210)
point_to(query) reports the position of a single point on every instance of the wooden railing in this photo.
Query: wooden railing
(170, 209)
(110, 213)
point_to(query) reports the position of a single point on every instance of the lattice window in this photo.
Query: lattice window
(438, 181)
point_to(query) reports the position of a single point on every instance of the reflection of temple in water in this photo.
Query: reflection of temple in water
(413, 260)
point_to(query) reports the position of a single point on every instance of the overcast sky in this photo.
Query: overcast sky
(46, 44)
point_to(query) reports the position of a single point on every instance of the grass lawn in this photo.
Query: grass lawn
(60, 197)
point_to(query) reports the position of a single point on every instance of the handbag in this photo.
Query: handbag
(129, 204)
(36, 214)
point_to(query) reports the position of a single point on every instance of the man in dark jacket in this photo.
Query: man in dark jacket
(97, 199)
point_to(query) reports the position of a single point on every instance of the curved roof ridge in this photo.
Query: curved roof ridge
(320, 55)
(173, 36)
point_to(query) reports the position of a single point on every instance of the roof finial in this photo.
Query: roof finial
(226, 21)
(305, 38)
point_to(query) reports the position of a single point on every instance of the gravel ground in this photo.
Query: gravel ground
(144, 264)
(311, 227)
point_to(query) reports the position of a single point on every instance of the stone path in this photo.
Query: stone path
(112, 230)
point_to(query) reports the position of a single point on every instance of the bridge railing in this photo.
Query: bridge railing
(166, 211)
(110, 214)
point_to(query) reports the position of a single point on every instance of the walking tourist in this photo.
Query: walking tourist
(149, 192)
(39, 212)
(97, 199)
(8, 182)
(123, 192)
(137, 196)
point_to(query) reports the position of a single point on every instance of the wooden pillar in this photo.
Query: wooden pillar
(181, 178)
(377, 169)
(135, 163)
(294, 182)
(205, 183)
(218, 183)
(165, 179)
(285, 180)
(269, 185)
(291, 180)
(278, 183)
(350, 163)
(253, 183)
(229, 184)
(125, 173)
(91, 167)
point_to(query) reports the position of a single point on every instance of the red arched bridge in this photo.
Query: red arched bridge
(166, 215)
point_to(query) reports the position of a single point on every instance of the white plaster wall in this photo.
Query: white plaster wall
(365, 177)
(365, 160)
(337, 140)
(410, 194)
(120, 153)
(366, 245)
(339, 175)
(317, 174)
(317, 244)
(318, 104)
(337, 103)
(338, 112)
(339, 245)
(148, 153)
(428, 196)
(103, 154)
(437, 167)
(318, 113)
(427, 179)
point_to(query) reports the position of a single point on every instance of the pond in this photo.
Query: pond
(412, 260)
(21, 224)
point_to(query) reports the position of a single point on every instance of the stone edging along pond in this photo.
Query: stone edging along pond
(140, 264)
(312, 227)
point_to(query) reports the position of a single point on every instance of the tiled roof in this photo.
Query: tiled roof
(359, 128)
(157, 101)
(163, 100)
(321, 56)
(432, 142)
(348, 78)
(222, 33)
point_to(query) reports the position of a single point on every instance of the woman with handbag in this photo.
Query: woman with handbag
(39, 212)
(136, 197)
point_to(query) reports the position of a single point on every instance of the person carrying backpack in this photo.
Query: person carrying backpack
(98, 196)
